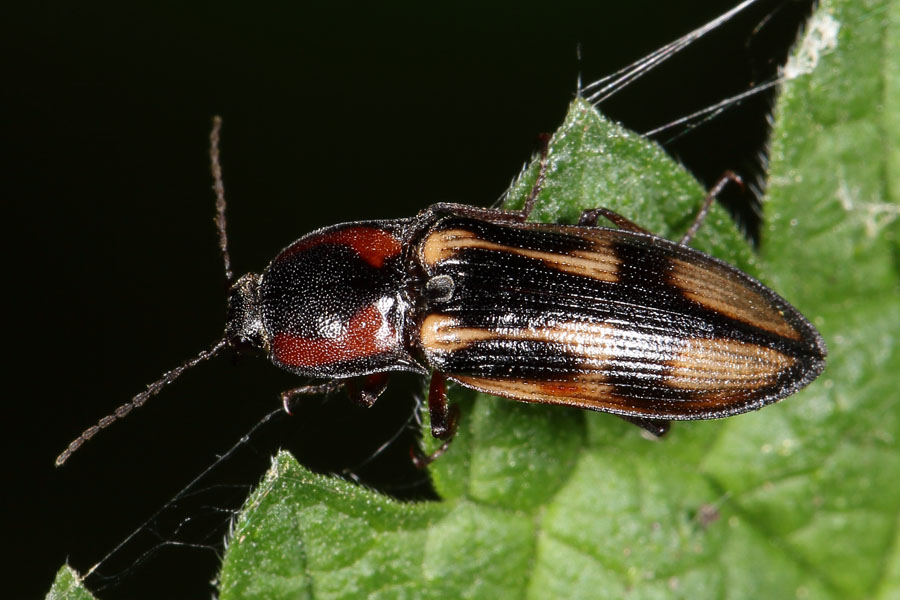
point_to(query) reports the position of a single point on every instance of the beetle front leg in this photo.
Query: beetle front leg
(288, 397)
(444, 419)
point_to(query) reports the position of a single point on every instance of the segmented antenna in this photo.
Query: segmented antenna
(138, 401)
(219, 189)
(170, 376)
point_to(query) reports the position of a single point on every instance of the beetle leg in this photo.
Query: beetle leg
(727, 177)
(499, 215)
(443, 423)
(655, 427)
(366, 390)
(444, 419)
(589, 218)
(289, 396)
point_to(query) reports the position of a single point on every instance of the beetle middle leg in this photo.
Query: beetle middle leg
(444, 419)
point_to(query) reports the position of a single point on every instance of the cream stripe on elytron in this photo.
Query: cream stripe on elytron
(716, 366)
(593, 342)
(722, 365)
(596, 344)
(728, 296)
(600, 263)
(587, 392)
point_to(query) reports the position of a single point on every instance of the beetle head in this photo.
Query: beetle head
(244, 330)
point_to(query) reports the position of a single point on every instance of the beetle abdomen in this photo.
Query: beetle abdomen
(609, 320)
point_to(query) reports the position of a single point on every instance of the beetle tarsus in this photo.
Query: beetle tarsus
(422, 460)
(590, 217)
(726, 178)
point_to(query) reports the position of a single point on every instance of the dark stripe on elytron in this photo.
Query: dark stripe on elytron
(637, 378)
(614, 401)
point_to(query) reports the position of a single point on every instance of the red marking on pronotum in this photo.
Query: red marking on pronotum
(372, 245)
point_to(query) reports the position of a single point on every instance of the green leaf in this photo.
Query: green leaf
(303, 535)
(68, 586)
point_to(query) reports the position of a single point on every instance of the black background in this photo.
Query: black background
(112, 274)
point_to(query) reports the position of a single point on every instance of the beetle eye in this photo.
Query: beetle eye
(440, 288)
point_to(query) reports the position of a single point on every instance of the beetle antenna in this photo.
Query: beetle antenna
(139, 400)
(219, 188)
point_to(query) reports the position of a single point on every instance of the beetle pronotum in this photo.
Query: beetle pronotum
(613, 320)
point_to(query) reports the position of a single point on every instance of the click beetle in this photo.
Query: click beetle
(609, 319)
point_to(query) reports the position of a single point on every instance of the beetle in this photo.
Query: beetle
(616, 320)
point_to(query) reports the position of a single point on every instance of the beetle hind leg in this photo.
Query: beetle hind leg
(654, 427)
